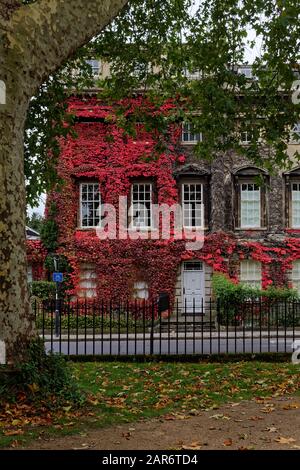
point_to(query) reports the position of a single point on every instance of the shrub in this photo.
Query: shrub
(240, 304)
(45, 379)
(43, 290)
(227, 291)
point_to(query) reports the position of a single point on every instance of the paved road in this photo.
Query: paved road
(172, 346)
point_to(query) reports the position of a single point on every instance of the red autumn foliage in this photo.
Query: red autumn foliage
(104, 152)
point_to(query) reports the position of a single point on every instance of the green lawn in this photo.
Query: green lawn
(126, 392)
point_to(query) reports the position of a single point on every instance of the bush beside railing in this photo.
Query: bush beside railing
(241, 305)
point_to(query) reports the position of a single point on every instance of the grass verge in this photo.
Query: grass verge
(121, 392)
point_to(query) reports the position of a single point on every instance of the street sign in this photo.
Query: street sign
(58, 277)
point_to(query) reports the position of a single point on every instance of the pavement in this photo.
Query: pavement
(207, 343)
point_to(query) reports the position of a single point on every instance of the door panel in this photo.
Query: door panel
(193, 290)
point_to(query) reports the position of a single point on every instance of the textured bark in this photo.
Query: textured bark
(34, 41)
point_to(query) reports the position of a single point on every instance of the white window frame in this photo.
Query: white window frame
(193, 266)
(187, 129)
(141, 287)
(243, 225)
(96, 69)
(246, 70)
(293, 224)
(88, 183)
(248, 139)
(250, 276)
(296, 275)
(195, 74)
(184, 203)
(132, 203)
(87, 274)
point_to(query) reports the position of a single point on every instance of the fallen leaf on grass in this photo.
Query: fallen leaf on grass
(227, 442)
(16, 422)
(15, 432)
(93, 402)
(285, 440)
(33, 388)
(15, 444)
(67, 408)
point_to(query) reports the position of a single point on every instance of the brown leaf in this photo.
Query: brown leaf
(16, 422)
(291, 406)
(33, 388)
(93, 402)
(15, 443)
(220, 416)
(169, 417)
(227, 442)
(285, 440)
(192, 446)
(256, 418)
(271, 429)
(267, 409)
(15, 432)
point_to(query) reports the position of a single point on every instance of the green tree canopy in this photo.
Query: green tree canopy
(152, 45)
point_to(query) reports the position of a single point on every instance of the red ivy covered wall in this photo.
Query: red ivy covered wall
(103, 152)
(36, 255)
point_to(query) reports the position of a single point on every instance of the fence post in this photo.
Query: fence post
(152, 330)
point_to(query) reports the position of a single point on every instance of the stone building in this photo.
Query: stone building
(250, 219)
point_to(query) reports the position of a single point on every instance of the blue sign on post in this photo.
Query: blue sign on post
(58, 277)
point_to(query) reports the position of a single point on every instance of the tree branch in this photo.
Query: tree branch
(45, 33)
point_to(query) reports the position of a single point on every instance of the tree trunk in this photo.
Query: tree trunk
(16, 327)
(35, 39)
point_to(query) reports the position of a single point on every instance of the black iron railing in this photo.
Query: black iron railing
(132, 328)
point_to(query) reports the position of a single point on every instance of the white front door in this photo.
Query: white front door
(193, 287)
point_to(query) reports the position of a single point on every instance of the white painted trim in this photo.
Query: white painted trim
(259, 207)
(80, 204)
(196, 227)
(190, 142)
(144, 227)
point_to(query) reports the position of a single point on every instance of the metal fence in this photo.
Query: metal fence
(134, 328)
